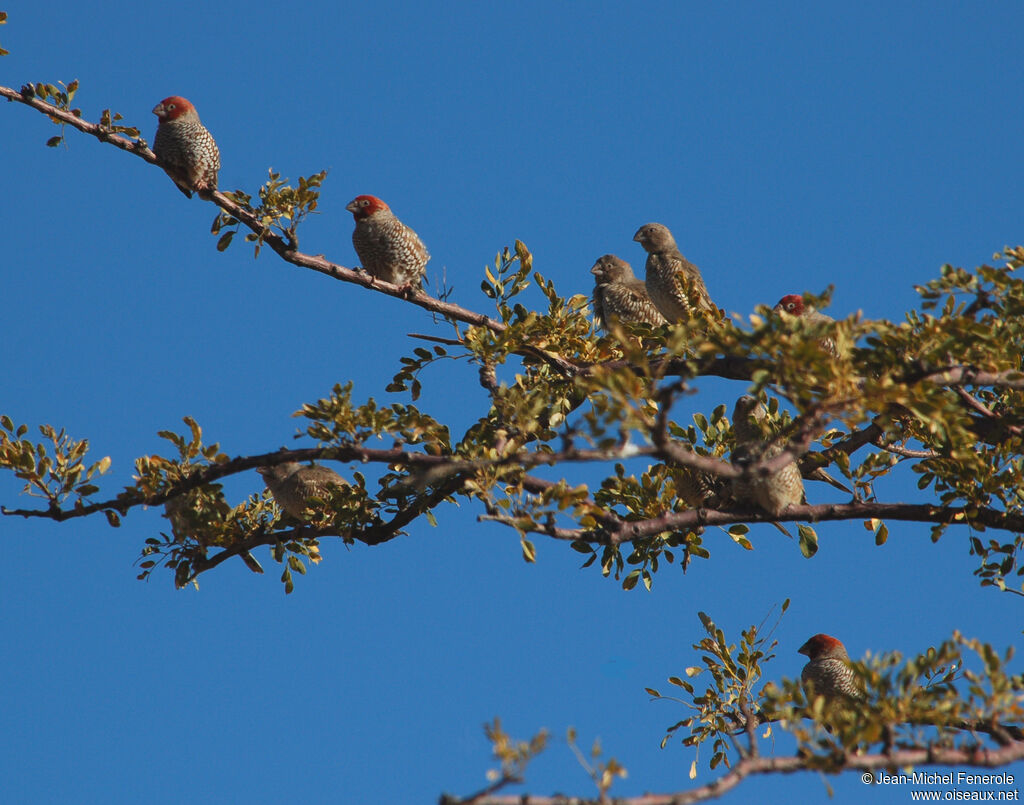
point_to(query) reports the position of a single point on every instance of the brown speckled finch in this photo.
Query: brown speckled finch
(293, 484)
(775, 492)
(186, 150)
(828, 673)
(794, 305)
(673, 282)
(620, 296)
(810, 467)
(387, 248)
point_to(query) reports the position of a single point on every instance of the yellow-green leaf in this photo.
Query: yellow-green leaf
(808, 540)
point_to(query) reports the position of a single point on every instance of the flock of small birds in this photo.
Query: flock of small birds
(673, 291)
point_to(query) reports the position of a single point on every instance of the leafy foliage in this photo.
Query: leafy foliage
(930, 699)
(281, 209)
(940, 395)
(60, 97)
(953, 413)
(54, 469)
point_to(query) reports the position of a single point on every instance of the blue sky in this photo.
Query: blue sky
(788, 149)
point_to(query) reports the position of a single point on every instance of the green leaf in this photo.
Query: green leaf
(740, 540)
(525, 258)
(808, 540)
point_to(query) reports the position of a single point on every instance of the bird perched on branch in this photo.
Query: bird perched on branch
(388, 249)
(186, 150)
(774, 492)
(811, 468)
(620, 296)
(293, 484)
(673, 282)
(794, 305)
(828, 673)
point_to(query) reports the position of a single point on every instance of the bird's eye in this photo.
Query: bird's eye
(170, 106)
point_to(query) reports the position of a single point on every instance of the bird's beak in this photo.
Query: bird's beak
(351, 207)
(778, 308)
(596, 270)
(159, 110)
(636, 237)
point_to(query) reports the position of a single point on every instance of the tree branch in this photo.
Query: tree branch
(976, 757)
(1003, 733)
(282, 246)
(960, 375)
(731, 367)
(361, 455)
(694, 518)
(137, 147)
(906, 452)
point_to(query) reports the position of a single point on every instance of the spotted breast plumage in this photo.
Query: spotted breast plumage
(388, 249)
(620, 296)
(186, 150)
(674, 284)
(293, 484)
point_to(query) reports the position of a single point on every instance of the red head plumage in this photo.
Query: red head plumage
(823, 645)
(791, 303)
(172, 108)
(365, 206)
